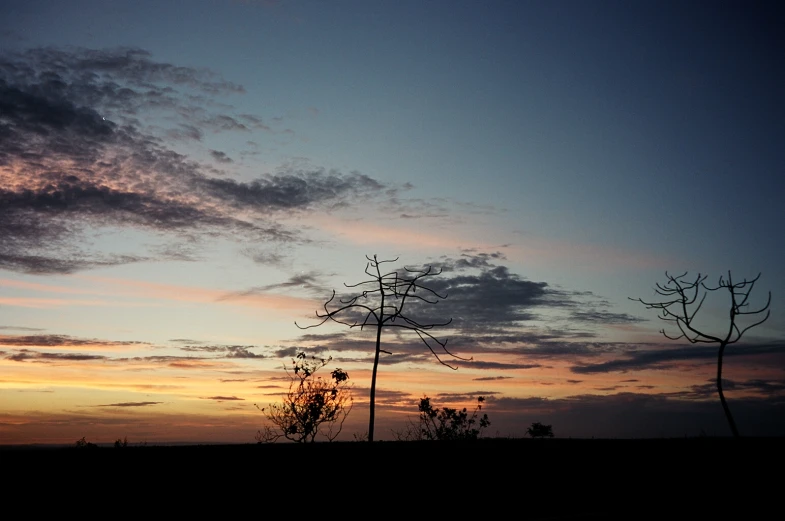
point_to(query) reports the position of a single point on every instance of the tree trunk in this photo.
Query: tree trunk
(725, 407)
(373, 379)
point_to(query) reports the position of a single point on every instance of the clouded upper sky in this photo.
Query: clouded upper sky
(179, 184)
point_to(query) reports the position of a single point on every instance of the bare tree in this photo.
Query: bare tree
(683, 293)
(380, 304)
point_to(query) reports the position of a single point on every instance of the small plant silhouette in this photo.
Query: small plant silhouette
(121, 443)
(445, 424)
(84, 444)
(538, 430)
(311, 403)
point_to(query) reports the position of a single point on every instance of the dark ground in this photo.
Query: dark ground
(553, 479)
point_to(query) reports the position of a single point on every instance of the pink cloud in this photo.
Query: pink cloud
(137, 288)
(48, 303)
(406, 235)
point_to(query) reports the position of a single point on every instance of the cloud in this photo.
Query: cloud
(42, 265)
(494, 297)
(660, 358)
(223, 122)
(305, 281)
(227, 351)
(469, 260)
(387, 397)
(466, 396)
(492, 301)
(254, 121)
(61, 341)
(765, 388)
(23, 355)
(185, 131)
(19, 328)
(77, 156)
(605, 317)
(288, 352)
(294, 190)
(130, 404)
(263, 257)
(491, 378)
(479, 364)
(486, 300)
(221, 157)
(495, 313)
(224, 398)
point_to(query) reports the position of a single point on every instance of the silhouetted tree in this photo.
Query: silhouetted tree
(538, 430)
(381, 304)
(682, 293)
(311, 403)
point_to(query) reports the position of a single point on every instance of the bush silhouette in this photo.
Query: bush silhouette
(538, 430)
(84, 444)
(445, 424)
(311, 403)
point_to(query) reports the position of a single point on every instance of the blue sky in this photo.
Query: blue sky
(591, 145)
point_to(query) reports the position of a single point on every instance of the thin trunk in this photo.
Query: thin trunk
(373, 380)
(379, 324)
(728, 415)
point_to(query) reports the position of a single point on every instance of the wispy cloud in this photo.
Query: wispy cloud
(63, 341)
(130, 404)
(637, 360)
(480, 364)
(19, 328)
(23, 355)
(225, 351)
(605, 317)
(138, 288)
(77, 156)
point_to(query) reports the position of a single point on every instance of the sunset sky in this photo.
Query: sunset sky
(182, 181)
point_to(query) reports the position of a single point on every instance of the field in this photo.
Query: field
(697, 478)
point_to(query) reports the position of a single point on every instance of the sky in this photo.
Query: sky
(178, 186)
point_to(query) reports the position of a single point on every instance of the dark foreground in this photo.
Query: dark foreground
(554, 479)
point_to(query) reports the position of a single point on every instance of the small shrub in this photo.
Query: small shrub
(538, 430)
(312, 403)
(445, 424)
(84, 444)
